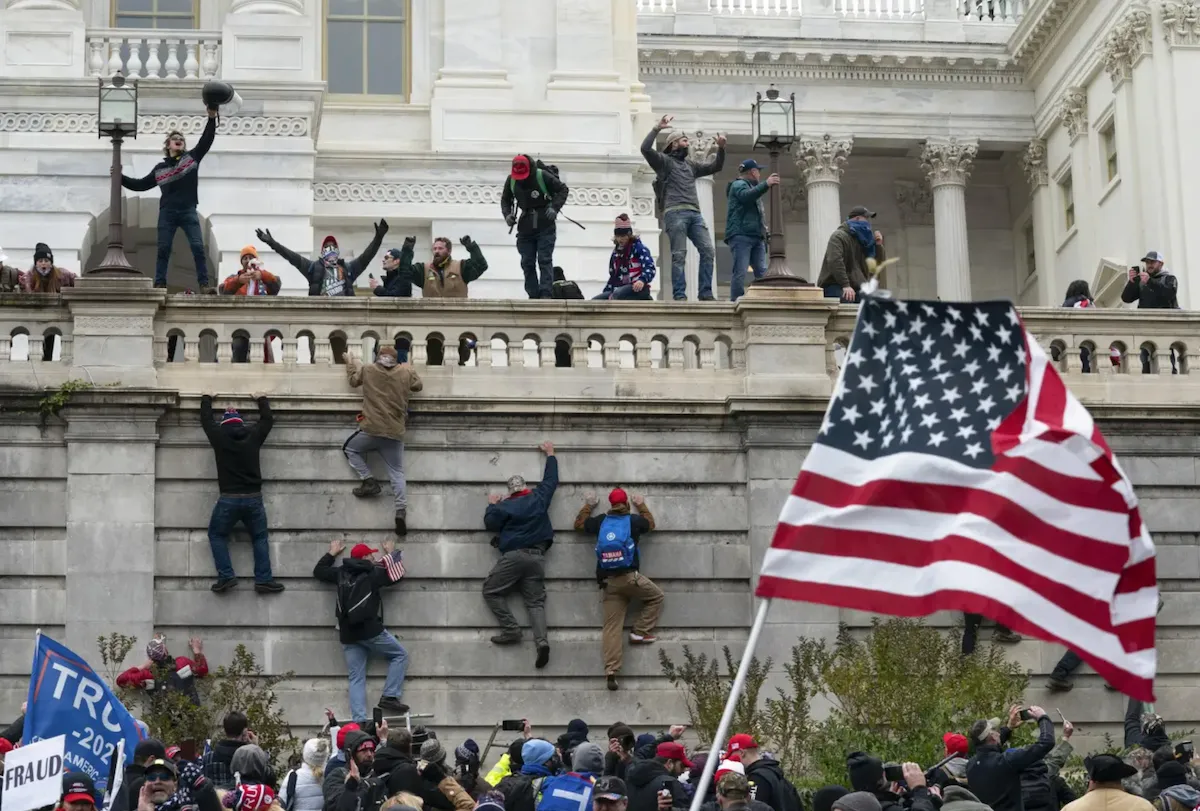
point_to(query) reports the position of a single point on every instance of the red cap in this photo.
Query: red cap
(741, 742)
(5, 746)
(173, 752)
(520, 167)
(361, 550)
(673, 751)
(618, 496)
(343, 730)
(329, 240)
(955, 744)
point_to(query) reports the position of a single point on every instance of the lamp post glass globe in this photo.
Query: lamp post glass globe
(774, 127)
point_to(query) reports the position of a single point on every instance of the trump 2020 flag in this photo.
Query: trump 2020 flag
(66, 697)
(954, 471)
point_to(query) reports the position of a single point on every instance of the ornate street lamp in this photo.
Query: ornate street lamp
(774, 127)
(117, 120)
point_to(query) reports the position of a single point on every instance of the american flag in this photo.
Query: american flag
(954, 471)
(395, 567)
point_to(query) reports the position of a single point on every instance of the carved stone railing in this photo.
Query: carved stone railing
(150, 54)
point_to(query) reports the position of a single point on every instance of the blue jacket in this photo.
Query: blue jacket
(744, 216)
(523, 520)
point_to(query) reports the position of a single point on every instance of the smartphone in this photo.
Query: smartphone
(665, 793)
(1026, 715)
(378, 716)
(893, 772)
(513, 725)
(1184, 749)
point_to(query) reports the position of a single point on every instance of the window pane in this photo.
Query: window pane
(343, 7)
(175, 6)
(385, 58)
(344, 51)
(125, 6)
(126, 21)
(386, 8)
(175, 23)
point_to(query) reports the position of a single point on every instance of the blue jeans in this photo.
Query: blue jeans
(538, 247)
(386, 646)
(226, 513)
(170, 219)
(747, 252)
(625, 292)
(683, 225)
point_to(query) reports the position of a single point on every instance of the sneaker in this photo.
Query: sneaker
(543, 656)
(160, 285)
(224, 584)
(366, 488)
(612, 682)
(642, 639)
(270, 587)
(681, 298)
(707, 298)
(1057, 685)
(507, 638)
(1005, 637)
(401, 522)
(208, 291)
(393, 704)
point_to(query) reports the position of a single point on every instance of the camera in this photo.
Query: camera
(1183, 751)
(1026, 715)
(893, 772)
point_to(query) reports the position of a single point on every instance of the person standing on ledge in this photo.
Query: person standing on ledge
(443, 278)
(178, 180)
(523, 535)
(844, 269)
(386, 385)
(540, 194)
(239, 475)
(329, 274)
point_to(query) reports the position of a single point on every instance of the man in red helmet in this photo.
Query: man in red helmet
(536, 190)
(618, 534)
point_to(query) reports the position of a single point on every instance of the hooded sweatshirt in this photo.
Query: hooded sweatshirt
(645, 779)
(236, 447)
(326, 571)
(1160, 292)
(769, 785)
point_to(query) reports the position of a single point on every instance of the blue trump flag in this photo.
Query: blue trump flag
(66, 697)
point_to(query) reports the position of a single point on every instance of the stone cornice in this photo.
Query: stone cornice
(1039, 25)
(1127, 44)
(1181, 23)
(727, 58)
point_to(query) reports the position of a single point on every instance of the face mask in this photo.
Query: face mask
(330, 256)
(387, 361)
(678, 152)
(45, 271)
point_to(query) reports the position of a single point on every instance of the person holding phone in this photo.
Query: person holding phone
(1152, 286)
(897, 787)
(994, 773)
(252, 279)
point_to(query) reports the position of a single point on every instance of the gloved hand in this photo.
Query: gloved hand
(510, 220)
(381, 228)
(410, 242)
(434, 773)
(551, 214)
(467, 242)
(264, 235)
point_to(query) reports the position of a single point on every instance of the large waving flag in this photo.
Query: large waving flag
(66, 697)
(955, 471)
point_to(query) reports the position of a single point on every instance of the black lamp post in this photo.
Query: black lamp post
(117, 120)
(774, 128)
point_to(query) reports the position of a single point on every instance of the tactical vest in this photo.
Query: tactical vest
(449, 284)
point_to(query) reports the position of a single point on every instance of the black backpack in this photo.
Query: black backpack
(540, 170)
(357, 599)
(660, 191)
(291, 792)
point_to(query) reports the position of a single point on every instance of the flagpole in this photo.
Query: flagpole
(735, 692)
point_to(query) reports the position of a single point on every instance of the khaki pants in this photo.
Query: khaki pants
(618, 591)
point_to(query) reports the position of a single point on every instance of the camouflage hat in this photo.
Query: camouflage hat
(733, 785)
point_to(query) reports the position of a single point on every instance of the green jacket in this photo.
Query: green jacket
(744, 217)
(472, 267)
(845, 262)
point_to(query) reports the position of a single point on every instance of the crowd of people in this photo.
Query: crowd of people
(371, 766)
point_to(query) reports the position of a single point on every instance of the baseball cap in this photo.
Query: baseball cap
(361, 550)
(394, 253)
(1154, 256)
(748, 164)
(673, 751)
(860, 211)
(520, 167)
(161, 763)
(78, 787)
(343, 731)
(741, 742)
(733, 785)
(609, 787)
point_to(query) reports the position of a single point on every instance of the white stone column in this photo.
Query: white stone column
(821, 160)
(1038, 176)
(472, 48)
(947, 165)
(1180, 64)
(1073, 117)
(585, 57)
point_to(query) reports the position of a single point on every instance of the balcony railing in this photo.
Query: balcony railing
(154, 54)
(997, 11)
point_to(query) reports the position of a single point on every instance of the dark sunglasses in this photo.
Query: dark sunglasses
(160, 777)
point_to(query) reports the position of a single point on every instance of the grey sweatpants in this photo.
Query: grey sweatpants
(391, 451)
(523, 569)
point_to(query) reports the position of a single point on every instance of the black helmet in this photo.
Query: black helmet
(220, 94)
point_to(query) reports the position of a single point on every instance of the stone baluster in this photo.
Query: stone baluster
(66, 353)
(5, 347)
(947, 164)
(322, 351)
(224, 349)
(291, 349)
(191, 349)
(579, 354)
(420, 353)
(209, 63)
(483, 353)
(641, 354)
(133, 65)
(172, 63)
(821, 161)
(354, 348)
(153, 63)
(708, 357)
(675, 356)
(516, 353)
(548, 358)
(114, 55)
(1164, 357)
(190, 65)
(96, 58)
(162, 349)
(612, 354)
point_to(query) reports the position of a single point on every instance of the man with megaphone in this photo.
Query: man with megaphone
(177, 177)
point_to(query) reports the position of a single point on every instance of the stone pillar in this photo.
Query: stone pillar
(42, 39)
(114, 330)
(1072, 113)
(111, 438)
(1038, 176)
(472, 47)
(701, 148)
(585, 55)
(947, 165)
(1180, 65)
(821, 160)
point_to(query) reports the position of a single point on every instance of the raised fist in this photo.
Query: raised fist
(665, 121)
(590, 498)
(410, 242)
(721, 141)
(466, 241)
(381, 228)
(264, 235)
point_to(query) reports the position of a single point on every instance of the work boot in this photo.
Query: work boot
(401, 522)
(270, 587)
(1005, 637)
(1056, 685)
(160, 285)
(543, 656)
(224, 584)
(367, 487)
(507, 638)
(392, 704)
(612, 682)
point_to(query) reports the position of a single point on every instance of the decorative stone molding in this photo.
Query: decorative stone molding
(1181, 23)
(1037, 28)
(915, 201)
(701, 147)
(1072, 112)
(822, 160)
(1034, 164)
(113, 325)
(786, 334)
(948, 162)
(643, 206)
(1126, 44)
(435, 193)
(294, 8)
(794, 195)
(284, 126)
(42, 5)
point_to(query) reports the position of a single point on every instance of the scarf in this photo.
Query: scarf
(387, 361)
(863, 233)
(536, 770)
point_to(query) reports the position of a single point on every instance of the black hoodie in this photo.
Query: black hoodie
(768, 785)
(645, 779)
(326, 571)
(527, 195)
(402, 775)
(236, 447)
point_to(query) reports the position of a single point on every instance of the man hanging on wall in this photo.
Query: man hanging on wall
(538, 192)
(177, 177)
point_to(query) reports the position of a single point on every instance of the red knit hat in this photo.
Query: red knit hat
(955, 744)
(618, 496)
(622, 226)
(343, 730)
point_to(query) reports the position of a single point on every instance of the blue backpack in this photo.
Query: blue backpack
(567, 792)
(615, 548)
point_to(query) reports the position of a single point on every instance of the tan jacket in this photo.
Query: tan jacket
(449, 285)
(456, 794)
(385, 395)
(1109, 799)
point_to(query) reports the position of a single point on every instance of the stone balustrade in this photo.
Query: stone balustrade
(985, 11)
(154, 54)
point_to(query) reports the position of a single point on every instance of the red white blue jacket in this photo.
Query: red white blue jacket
(629, 264)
